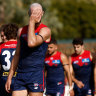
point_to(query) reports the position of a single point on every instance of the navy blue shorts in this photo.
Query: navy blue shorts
(86, 90)
(55, 88)
(2, 86)
(31, 81)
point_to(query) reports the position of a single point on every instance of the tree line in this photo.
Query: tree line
(66, 18)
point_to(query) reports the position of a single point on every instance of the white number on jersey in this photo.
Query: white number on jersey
(7, 59)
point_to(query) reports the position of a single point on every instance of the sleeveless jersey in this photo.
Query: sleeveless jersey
(54, 67)
(82, 65)
(7, 51)
(31, 59)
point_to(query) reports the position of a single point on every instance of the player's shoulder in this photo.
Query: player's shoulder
(22, 30)
(62, 55)
(3, 44)
(44, 28)
(9, 44)
(47, 29)
(87, 51)
(58, 52)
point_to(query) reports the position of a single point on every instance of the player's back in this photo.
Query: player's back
(7, 51)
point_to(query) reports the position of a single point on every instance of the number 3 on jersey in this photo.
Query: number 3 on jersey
(7, 58)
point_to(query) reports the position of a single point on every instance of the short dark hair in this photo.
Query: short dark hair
(10, 31)
(53, 41)
(77, 41)
(2, 28)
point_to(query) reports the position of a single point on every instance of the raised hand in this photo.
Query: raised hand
(36, 15)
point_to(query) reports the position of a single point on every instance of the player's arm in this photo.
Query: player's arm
(72, 72)
(44, 34)
(14, 64)
(95, 79)
(78, 83)
(93, 58)
(65, 63)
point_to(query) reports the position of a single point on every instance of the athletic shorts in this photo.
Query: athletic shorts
(31, 81)
(86, 90)
(2, 86)
(55, 89)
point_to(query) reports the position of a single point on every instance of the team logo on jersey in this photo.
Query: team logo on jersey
(80, 57)
(51, 58)
(59, 83)
(56, 61)
(86, 60)
(36, 85)
(75, 62)
(47, 61)
(89, 92)
(58, 94)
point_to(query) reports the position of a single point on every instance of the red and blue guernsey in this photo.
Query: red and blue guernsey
(31, 64)
(83, 69)
(31, 59)
(55, 75)
(7, 51)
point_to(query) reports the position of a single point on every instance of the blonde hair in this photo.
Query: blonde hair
(34, 5)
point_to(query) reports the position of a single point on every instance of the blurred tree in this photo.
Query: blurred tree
(71, 18)
(78, 18)
(11, 11)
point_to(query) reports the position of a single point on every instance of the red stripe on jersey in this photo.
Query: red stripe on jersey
(8, 44)
(25, 29)
(74, 57)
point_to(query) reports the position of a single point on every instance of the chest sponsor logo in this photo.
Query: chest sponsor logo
(56, 61)
(86, 60)
(75, 62)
